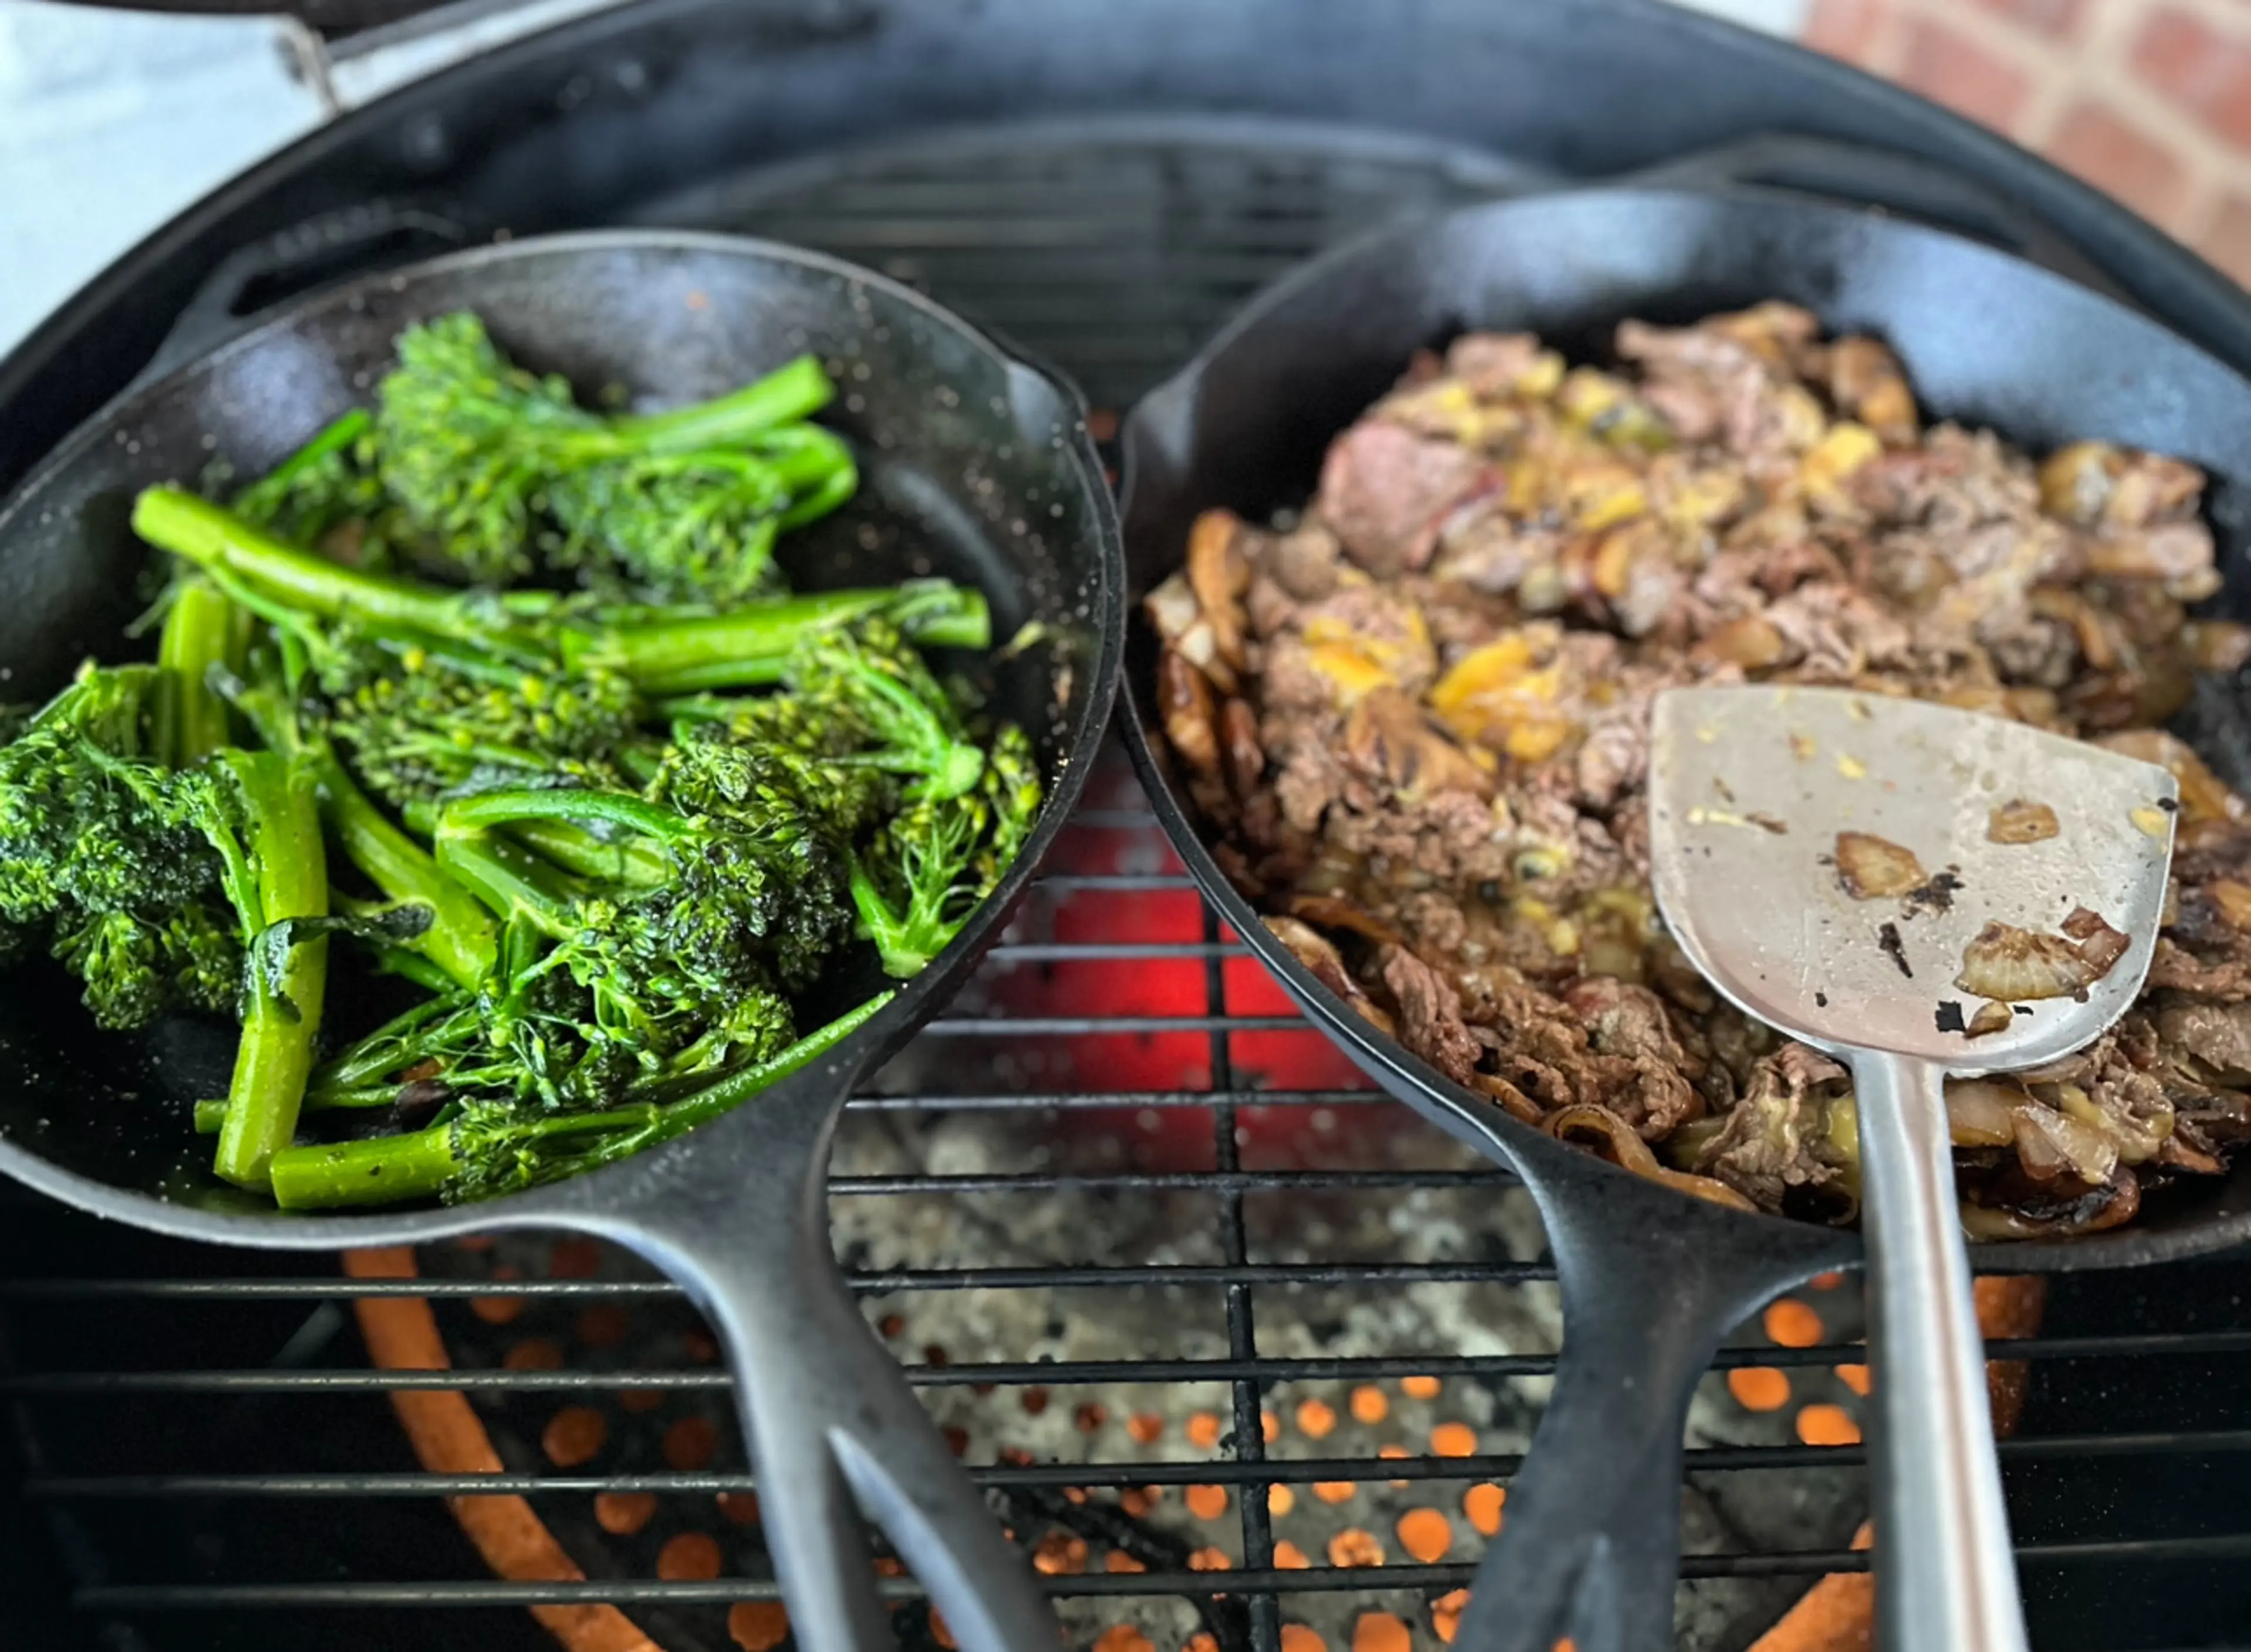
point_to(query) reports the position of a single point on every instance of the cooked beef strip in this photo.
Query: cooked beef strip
(1451, 658)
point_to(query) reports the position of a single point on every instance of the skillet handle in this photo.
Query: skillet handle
(351, 240)
(1591, 1548)
(827, 1415)
(1905, 184)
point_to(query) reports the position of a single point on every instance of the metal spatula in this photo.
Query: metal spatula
(1922, 893)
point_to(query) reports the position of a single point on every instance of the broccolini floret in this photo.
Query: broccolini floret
(505, 472)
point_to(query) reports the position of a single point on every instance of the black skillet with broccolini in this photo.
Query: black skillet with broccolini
(507, 699)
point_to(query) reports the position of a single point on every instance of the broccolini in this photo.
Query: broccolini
(603, 795)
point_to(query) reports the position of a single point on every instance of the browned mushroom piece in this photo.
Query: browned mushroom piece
(1867, 381)
(1241, 758)
(1388, 733)
(1319, 954)
(1219, 576)
(1333, 912)
(1184, 700)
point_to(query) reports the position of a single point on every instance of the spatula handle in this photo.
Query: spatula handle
(1945, 1575)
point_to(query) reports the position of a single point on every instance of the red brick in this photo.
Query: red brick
(2114, 154)
(1844, 29)
(1943, 63)
(2056, 18)
(2199, 68)
(2227, 243)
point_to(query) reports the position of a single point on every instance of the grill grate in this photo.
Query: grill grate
(1120, 1175)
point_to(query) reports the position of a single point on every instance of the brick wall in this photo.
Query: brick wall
(2150, 99)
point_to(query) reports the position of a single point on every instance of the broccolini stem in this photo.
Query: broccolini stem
(197, 635)
(387, 1048)
(384, 1169)
(723, 1095)
(509, 879)
(815, 465)
(261, 495)
(633, 861)
(462, 939)
(750, 644)
(215, 538)
(283, 1019)
(411, 966)
(506, 806)
(211, 1114)
(388, 1169)
(663, 654)
(796, 390)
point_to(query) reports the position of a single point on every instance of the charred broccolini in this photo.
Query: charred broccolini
(609, 833)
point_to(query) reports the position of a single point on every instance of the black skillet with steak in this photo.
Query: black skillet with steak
(1415, 717)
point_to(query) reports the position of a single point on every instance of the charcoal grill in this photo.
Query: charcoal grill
(1121, 1173)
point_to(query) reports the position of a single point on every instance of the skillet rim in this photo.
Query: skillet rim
(575, 1202)
(1554, 1165)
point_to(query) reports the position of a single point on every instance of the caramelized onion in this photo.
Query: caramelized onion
(1871, 868)
(2100, 945)
(1992, 1017)
(2137, 1139)
(1751, 642)
(2233, 898)
(2017, 966)
(2021, 820)
(1615, 1139)
(2203, 796)
(1977, 1112)
(2217, 645)
(2049, 1142)
(1518, 1104)
(2102, 1208)
(1179, 618)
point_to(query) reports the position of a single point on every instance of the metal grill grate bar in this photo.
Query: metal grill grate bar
(1047, 1373)
(1805, 1563)
(1086, 1476)
(927, 1279)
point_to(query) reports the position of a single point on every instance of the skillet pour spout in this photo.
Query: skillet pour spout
(975, 465)
(1654, 1279)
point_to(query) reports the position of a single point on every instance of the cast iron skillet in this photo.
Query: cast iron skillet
(974, 464)
(1652, 1279)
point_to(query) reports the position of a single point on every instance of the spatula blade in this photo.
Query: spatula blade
(1750, 790)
